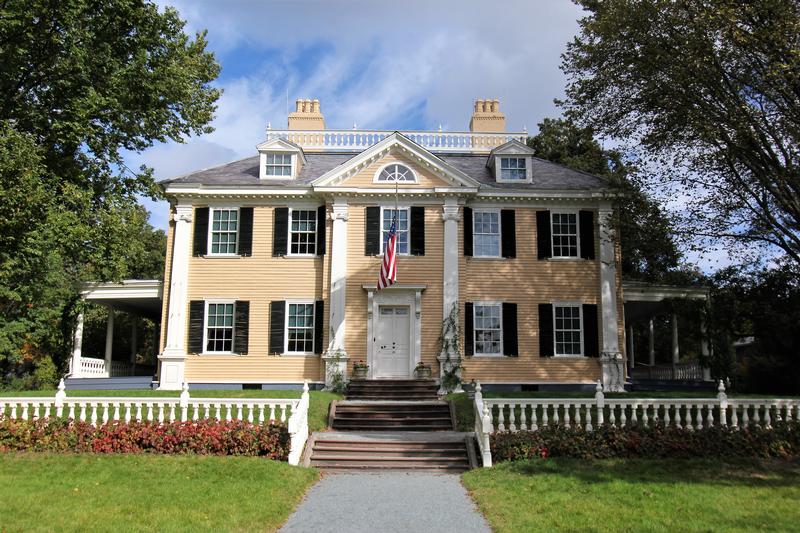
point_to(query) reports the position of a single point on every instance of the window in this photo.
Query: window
(300, 328)
(402, 228)
(279, 165)
(513, 169)
(568, 329)
(565, 235)
(396, 173)
(488, 329)
(486, 233)
(219, 327)
(224, 231)
(303, 232)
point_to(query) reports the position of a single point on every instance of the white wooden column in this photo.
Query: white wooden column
(173, 358)
(652, 343)
(631, 354)
(450, 216)
(134, 339)
(611, 358)
(109, 340)
(705, 349)
(335, 356)
(676, 351)
(77, 348)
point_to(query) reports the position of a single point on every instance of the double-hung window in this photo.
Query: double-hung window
(224, 231)
(565, 234)
(568, 329)
(513, 169)
(402, 228)
(486, 233)
(303, 232)
(300, 327)
(279, 165)
(488, 328)
(219, 327)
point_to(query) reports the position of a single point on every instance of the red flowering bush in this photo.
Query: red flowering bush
(204, 437)
(783, 440)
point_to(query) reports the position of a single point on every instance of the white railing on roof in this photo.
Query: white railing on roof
(532, 414)
(98, 410)
(358, 140)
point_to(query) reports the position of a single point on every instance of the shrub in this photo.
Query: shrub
(657, 441)
(205, 437)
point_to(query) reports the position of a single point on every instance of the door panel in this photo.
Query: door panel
(392, 342)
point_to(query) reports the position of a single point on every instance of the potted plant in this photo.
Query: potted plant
(360, 369)
(422, 371)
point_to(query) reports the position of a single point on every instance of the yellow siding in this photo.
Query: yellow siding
(425, 178)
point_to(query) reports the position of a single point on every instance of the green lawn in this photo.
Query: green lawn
(638, 495)
(317, 412)
(46, 492)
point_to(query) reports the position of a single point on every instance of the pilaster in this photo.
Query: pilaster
(335, 356)
(610, 358)
(450, 215)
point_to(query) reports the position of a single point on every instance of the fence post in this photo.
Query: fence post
(723, 404)
(600, 399)
(184, 402)
(60, 395)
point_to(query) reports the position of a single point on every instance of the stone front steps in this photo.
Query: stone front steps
(391, 416)
(399, 389)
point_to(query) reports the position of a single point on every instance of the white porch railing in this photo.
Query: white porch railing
(100, 410)
(531, 414)
(678, 372)
(358, 140)
(91, 367)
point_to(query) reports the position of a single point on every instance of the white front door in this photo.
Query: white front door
(392, 342)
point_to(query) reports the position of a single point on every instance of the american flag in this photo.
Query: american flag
(388, 274)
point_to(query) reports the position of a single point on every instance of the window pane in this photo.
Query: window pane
(486, 233)
(488, 331)
(303, 228)
(224, 231)
(396, 173)
(402, 228)
(300, 328)
(568, 330)
(565, 234)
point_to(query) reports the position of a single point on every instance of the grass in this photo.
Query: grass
(638, 495)
(47, 492)
(317, 411)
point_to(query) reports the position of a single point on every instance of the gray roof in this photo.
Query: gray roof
(546, 175)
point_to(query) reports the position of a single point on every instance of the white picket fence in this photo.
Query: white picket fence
(530, 414)
(100, 410)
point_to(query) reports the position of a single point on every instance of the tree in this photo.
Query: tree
(649, 251)
(81, 83)
(709, 94)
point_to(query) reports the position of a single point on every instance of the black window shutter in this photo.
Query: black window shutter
(241, 327)
(543, 244)
(586, 228)
(469, 335)
(510, 330)
(200, 231)
(197, 311)
(321, 229)
(590, 336)
(319, 318)
(246, 231)
(280, 231)
(508, 232)
(468, 231)
(546, 339)
(277, 322)
(372, 231)
(417, 243)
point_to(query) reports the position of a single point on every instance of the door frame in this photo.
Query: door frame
(408, 295)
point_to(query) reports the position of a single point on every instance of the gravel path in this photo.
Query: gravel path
(388, 502)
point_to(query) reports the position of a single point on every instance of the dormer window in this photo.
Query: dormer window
(513, 168)
(512, 162)
(280, 160)
(279, 165)
(395, 173)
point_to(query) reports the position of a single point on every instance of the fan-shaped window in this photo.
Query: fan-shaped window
(396, 173)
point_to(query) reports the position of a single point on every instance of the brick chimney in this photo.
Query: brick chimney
(487, 118)
(306, 116)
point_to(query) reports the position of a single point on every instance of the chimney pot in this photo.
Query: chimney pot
(307, 115)
(487, 117)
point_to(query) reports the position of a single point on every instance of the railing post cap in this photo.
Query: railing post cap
(61, 386)
(721, 387)
(599, 386)
(477, 385)
(305, 385)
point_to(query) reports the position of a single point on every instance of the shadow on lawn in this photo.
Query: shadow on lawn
(752, 473)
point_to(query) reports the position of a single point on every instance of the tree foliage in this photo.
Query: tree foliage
(709, 91)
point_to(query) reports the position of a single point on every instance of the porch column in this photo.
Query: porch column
(610, 358)
(77, 347)
(652, 343)
(109, 340)
(134, 340)
(173, 358)
(335, 356)
(450, 216)
(676, 354)
(631, 355)
(705, 349)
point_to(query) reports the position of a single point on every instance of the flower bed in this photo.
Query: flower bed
(782, 440)
(204, 437)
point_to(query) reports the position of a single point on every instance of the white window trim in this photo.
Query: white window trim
(475, 330)
(579, 305)
(378, 173)
(289, 232)
(293, 171)
(205, 327)
(380, 226)
(528, 168)
(211, 210)
(286, 327)
(577, 235)
(499, 233)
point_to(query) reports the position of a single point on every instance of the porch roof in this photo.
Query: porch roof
(644, 300)
(141, 297)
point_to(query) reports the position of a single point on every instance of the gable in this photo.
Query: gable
(365, 178)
